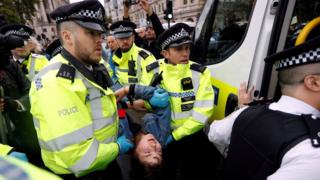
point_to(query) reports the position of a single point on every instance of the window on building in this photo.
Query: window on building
(191, 1)
(185, 1)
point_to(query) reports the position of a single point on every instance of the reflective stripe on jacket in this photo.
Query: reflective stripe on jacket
(76, 121)
(15, 169)
(188, 114)
(122, 68)
(34, 64)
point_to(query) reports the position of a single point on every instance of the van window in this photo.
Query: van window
(304, 12)
(229, 28)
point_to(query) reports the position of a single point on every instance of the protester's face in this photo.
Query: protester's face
(150, 34)
(149, 151)
(177, 55)
(87, 45)
(23, 51)
(141, 32)
(125, 43)
(112, 43)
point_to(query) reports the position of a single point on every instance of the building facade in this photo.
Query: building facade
(183, 10)
(43, 26)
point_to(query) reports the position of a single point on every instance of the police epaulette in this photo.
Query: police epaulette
(198, 67)
(152, 66)
(66, 71)
(143, 54)
(118, 53)
(116, 64)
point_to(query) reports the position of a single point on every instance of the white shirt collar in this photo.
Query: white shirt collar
(294, 106)
(18, 60)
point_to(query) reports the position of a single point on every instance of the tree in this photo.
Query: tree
(18, 11)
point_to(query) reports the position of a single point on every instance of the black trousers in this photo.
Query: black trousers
(191, 158)
(112, 172)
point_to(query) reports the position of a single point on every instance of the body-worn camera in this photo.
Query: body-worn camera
(130, 2)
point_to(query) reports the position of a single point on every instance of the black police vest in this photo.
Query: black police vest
(259, 139)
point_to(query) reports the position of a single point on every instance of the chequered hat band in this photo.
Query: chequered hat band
(18, 33)
(177, 36)
(84, 13)
(304, 58)
(57, 50)
(122, 29)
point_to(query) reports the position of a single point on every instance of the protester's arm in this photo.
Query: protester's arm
(156, 23)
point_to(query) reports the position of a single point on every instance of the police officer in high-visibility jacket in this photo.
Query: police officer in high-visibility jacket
(191, 100)
(12, 168)
(74, 108)
(130, 60)
(30, 63)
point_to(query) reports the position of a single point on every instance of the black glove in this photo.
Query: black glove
(10, 104)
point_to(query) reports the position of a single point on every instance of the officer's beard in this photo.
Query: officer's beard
(126, 49)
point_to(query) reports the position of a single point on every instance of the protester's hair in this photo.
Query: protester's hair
(141, 172)
(293, 76)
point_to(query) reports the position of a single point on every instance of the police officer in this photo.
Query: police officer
(11, 168)
(17, 128)
(130, 60)
(74, 108)
(191, 100)
(278, 140)
(30, 63)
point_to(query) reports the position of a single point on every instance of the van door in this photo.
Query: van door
(293, 16)
(231, 37)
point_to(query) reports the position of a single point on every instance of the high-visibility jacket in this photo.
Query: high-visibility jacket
(34, 64)
(191, 103)
(75, 119)
(12, 168)
(140, 58)
(5, 149)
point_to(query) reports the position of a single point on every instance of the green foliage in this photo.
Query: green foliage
(18, 11)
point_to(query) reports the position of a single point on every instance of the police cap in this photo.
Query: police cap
(122, 29)
(88, 14)
(17, 29)
(54, 48)
(306, 53)
(177, 35)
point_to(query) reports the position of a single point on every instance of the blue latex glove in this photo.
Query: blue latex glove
(124, 144)
(19, 155)
(169, 140)
(160, 98)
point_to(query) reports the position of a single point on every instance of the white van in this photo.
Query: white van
(233, 37)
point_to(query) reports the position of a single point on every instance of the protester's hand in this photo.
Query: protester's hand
(169, 140)
(160, 98)
(124, 144)
(245, 96)
(126, 9)
(10, 104)
(122, 92)
(19, 155)
(146, 7)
